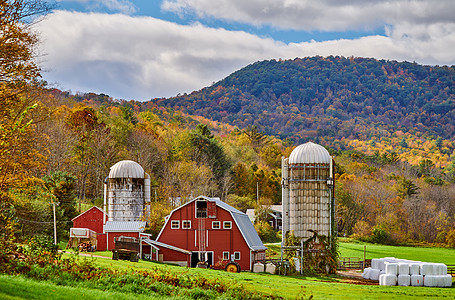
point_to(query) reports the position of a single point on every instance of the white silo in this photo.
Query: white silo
(127, 191)
(307, 185)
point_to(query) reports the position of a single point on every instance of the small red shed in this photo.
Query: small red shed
(93, 219)
(207, 229)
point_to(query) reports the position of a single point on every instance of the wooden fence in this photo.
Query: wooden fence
(451, 270)
(353, 263)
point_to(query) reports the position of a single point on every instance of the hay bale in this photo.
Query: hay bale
(403, 268)
(374, 274)
(366, 273)
(388, 279)
(404, 280)
(414, 269)
(417, 280)
(440, 269)
(446, 280)
(426, 269)
(381, 264)
(391, 268)
(429, 280)
(375, 263)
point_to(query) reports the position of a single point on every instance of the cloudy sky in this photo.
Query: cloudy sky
(158, 48)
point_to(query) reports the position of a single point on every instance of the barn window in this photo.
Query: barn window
(216, 225)
(226, 255)
(186, 224)
(201, 209)
(227, 224)
(236, 255)
(175, 224)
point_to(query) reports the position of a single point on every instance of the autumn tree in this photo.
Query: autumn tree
(89, 135)
(19, 102)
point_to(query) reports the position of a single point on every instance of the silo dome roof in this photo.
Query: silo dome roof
(309, 153)
(126, 169)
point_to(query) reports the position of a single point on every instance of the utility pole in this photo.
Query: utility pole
(55, 224)
(257, 192)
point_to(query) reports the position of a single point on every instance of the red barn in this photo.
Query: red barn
(210, 230)
(93, 219)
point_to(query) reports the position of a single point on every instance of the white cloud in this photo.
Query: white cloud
(321, 15)
(123, 6)
(143, 57)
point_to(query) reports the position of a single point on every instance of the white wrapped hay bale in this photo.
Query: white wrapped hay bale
(374, 274)
(270, 268)
(447, 280)
(414, 269)
(444, 270)
(381, 264)
(381, 279)
(438, 280)
(258, 267)
(417, 280)
(426, 269)
(388, 279)
(404, 279)
(403, 268)
(375, 263)
(366, 273)
(439, 269)
(391, 268)
(430, 280)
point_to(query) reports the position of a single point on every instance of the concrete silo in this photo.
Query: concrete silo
(307, 186)
(127, 192)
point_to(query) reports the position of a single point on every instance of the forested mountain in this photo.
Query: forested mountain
(332, 100)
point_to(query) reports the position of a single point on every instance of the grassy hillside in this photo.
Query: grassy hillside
(274, 286)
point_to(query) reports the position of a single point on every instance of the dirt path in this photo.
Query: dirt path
(84, 254)
(355, 277)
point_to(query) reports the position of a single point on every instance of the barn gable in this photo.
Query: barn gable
(88, 211)
(91, 219)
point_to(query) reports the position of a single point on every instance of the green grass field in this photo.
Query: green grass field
(425, 254)
(288, 287)
(305, 287)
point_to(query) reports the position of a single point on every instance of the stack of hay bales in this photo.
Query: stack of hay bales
(394, 271)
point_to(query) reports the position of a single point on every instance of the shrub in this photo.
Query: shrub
(450, 238)
(266, 231)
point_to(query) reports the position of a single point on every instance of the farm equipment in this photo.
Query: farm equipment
(126, 248)
(83, 239)
(232, 267)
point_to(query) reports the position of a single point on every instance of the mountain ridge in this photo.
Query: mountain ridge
(336, 97)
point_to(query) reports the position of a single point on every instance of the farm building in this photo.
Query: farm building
(307, 196)
(274, 217)
(127, 199)
(308, 207)
(92, 220)
(207, 229)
